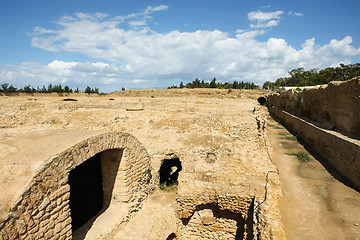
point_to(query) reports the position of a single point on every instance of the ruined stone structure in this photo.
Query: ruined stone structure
(328, 120)
(48, 205)
(208, 146)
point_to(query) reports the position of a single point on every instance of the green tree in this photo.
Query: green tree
(213, 83)
(88, 89)
(4, 87)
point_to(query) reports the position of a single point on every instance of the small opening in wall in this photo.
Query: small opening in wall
(261, 100)
(169, 171)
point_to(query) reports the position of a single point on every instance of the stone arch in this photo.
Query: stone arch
(43, 210)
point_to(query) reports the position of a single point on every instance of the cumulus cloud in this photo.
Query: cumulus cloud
(262, 19)
(264, 16)
(137, 56)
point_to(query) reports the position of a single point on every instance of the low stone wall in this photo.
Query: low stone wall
(42, 210)
(340, 151)
(209, 215)
(334, 106)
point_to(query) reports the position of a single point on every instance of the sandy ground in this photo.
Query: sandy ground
(315, 205)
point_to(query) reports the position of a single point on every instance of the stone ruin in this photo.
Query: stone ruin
(58, 198)
(220, 195)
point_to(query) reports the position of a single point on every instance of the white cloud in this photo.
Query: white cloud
(129, 56)
(264, 20)
(291, 13)
(264, 16)
(271, 23)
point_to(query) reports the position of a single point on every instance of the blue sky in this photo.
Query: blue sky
(155, 44)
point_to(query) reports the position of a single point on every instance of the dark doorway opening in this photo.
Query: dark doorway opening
(86, 191)
(169, 171)
(261, 100)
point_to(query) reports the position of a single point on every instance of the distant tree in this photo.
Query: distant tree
(50, 88)
(67, 89)
(27, 89)
(213, 83)
(235, 85)
(181, 85)
(4, 87)
(88, 89)
(12, 89)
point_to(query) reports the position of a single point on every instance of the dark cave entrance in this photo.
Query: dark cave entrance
(86, 191)
(169, 171)
(261, 100)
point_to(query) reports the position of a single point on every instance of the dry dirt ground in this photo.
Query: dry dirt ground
(315, 205)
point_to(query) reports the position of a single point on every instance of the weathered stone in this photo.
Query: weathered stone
(207, 216)
(44, 204)
(21, 226)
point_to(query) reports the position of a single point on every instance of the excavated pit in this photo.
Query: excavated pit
(214, 223)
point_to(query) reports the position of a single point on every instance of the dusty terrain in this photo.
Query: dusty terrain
(316, 201)
(195, 125)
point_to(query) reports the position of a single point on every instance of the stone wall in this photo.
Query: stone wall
(315, 114)
(334, 106)
(212, 215)
(41, 210)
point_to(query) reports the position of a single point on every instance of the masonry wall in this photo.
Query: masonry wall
(42, 210)
(208, 215)
(334, 106)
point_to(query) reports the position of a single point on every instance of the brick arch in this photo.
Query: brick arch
(42, 210)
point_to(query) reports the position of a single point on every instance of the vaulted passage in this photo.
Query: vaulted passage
(86, 192)
(91, 187)
(169, 171)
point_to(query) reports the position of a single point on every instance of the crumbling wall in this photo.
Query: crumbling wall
(334, 106)
(209, 215)
(315, 114)
(42, 210)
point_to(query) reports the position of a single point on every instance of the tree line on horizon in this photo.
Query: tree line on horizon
(213, 84)
(6, 88)
(301, 78)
